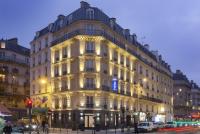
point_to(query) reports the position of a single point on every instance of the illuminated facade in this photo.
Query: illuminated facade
(99, 74)
(14, 76)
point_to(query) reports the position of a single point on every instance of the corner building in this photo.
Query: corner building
(95, 71)
(14, 76)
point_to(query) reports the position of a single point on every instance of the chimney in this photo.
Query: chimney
(146, 46)
(127, 32)
(13, 41)
(60, 17)
(113, 20)
(178, 71)
(84, 4)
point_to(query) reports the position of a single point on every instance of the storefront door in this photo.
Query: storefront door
(89, 121)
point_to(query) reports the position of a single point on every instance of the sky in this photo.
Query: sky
(170, 26)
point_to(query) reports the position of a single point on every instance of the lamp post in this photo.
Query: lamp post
(144, 80)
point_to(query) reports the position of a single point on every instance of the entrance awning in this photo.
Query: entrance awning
(4, 111)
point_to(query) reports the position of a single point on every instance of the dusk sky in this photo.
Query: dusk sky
(170, 26)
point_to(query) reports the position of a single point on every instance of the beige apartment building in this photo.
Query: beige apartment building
(14, 76)
(89, 71)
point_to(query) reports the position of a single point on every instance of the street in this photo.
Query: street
(118, 131)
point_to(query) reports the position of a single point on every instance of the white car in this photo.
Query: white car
(146, 127)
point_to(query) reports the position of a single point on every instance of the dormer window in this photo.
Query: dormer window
(90, 13)
(69, 19)
(3, 45)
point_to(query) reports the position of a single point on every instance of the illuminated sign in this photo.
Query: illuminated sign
(114, 84)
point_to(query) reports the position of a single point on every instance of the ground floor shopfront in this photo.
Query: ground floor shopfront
(101, 119)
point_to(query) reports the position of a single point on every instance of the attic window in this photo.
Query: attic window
(3, 45)
(90, 13)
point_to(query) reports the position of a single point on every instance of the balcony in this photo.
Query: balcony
(89, 69)
(89, 51)
(56, 75)
(89, 105)
(56, 59)
(64, 72)
(64, 56)
(12, 60)
(89, 86)
(64, 88)
(150, 99)
(105, 88)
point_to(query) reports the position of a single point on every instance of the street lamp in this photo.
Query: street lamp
(144, 80)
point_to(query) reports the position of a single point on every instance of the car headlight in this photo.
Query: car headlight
(34, 126)
(27, 126)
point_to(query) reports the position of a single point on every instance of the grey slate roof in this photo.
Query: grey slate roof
(80, 14)
(12, 45)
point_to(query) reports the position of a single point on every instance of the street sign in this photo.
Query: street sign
(114, 84)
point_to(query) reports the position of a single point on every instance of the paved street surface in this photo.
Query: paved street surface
(118, 131)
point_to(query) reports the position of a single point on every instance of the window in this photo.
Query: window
(46, 71)
(2, 54)
(39, 73)
(33, 48)
(39, 46)
(89, 100)
(64, 68)
(33, 61)
(46, 56)
(89, 64)
(56, 71)
(141, 70)
(26, 60)
(147, 73)
(89, 28)
(89, 47)
(89, 83)
(3, 45)
(90, 13)
(64, 52)
(39, 59)
(14, 56)
(56, 55)
(33, 75)
(46, 42)
(64, 85)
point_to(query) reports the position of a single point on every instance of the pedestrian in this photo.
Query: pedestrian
(43, 126)
(136, 127)
(7, 129)
(46, 128)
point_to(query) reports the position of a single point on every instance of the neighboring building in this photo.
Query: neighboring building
(182, 95)
(14, 75)
(195, 95)
(86, 68)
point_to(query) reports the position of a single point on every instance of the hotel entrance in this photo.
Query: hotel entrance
(89, 120)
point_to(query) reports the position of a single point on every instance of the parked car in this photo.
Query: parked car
(146, 127)
(159, 125)
(170, 124)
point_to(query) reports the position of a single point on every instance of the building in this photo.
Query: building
(195, 97)
(182, 95)
(14, 75)
(89, 71)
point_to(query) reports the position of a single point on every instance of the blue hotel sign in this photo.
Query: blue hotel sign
(114, 84)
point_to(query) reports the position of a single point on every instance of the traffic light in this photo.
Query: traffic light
(29, 103)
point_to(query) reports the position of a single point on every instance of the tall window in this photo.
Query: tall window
(90, 13)
(89, 47)
(14, 56)
(39, 59)
(89, 100)
(64, 84)
(64, 52)
(39, 46)
(56, 55)
(56, 71)
(33, 61)
(46, 42)
(89, 83)
(89, 64)
(45, 71)
(64, 68)
(46, 56)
